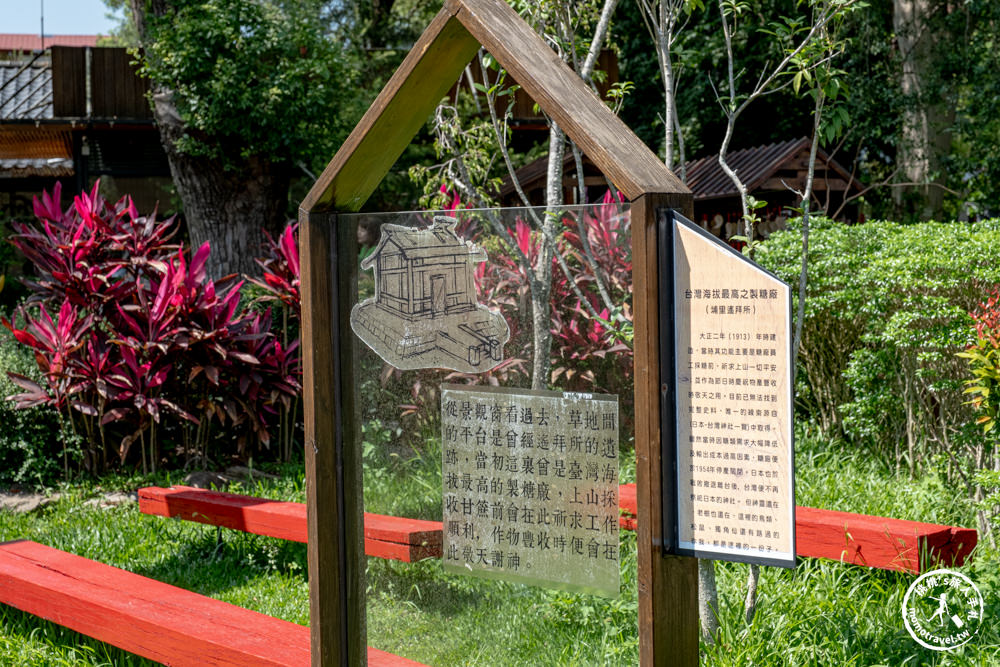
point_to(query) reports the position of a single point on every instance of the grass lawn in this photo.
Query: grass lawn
(822, 613)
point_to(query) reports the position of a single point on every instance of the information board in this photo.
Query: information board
(531, 486)
(728, 381)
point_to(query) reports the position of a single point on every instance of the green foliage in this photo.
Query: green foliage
(469, 151)
(961, 79)
(29, 439)
(886, 312)
(400, 480)
(251, 78)
(750, 222)
(984, 363)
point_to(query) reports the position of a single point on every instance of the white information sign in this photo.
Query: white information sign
(733, 366)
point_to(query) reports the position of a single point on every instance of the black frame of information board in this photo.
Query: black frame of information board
(666, 220)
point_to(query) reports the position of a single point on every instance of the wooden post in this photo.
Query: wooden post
(668, 586)
(334, 493)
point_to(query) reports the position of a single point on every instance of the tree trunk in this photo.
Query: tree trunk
(541, 287)
(927, 118)
(229, 207)
(667, 78)
(750, 602)
(800, 309)
(708, 600)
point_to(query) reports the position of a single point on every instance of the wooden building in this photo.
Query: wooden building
(20, 45)
(768, 171)
(532, 178)
(75, 114)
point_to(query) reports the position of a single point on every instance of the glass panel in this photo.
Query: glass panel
(447, 302)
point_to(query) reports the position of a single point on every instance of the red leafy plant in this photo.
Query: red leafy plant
(280, 286)
(592, 341)
(142, 334)
(590, 304)
(280, 265)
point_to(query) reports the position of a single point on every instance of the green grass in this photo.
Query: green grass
(822, 613)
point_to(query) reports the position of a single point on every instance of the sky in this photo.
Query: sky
(62, 17)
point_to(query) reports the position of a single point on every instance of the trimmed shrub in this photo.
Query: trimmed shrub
(886, 312)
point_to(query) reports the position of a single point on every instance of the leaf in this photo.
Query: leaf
(25, 383)
(245, 358)
(126, 443)
(180, 411)
(114, 415)
(85, 408)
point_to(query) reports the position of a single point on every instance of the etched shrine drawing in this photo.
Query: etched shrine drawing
(424, 313)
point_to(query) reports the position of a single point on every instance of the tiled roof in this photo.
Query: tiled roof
(26, 90)
(53, 168)
(753, 165)
(21, 42)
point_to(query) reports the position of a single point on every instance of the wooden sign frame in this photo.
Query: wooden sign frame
(671, 402)
(668, 611)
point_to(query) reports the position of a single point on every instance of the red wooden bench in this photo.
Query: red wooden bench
(871, 541)
(150, 618)
(385, 536)
(874, 541)
(891, 544)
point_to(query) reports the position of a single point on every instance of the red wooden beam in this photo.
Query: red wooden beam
(385, 536)
(890, 544)
(402, 539)
(149, 618)
(273, 518)
(874, 541)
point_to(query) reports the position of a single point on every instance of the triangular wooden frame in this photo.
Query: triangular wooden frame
(435, 63)
(668, 618)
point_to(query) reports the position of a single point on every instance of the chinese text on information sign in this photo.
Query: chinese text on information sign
(734, 443)
(531, 486)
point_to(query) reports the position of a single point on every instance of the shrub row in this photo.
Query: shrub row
(886, 312)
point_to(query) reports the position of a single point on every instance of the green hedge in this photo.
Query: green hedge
(886, 310)
(30, 446)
